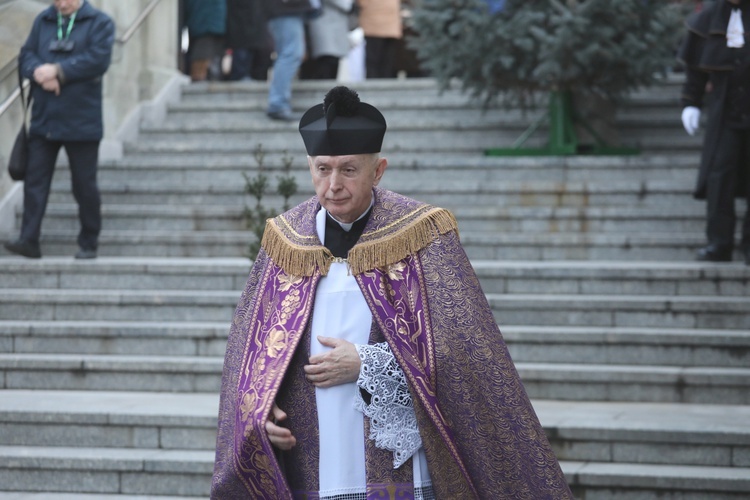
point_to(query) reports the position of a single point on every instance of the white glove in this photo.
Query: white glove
(691, 116)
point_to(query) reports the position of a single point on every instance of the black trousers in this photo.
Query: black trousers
(380, 54)
(83, 157)
(730, 167)
(320, 68)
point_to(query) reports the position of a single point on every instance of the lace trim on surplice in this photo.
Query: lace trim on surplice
(393, 423)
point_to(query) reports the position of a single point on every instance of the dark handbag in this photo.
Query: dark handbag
(19, 155)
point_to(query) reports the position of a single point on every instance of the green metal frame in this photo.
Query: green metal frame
(562, 136)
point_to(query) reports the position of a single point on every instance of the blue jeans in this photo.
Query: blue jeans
(288, 33)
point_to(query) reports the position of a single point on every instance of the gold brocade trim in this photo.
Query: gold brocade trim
(380, 251)
(297, 260)
(394, 247)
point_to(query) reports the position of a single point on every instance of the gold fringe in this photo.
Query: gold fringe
(391, 248)
(379, 252)
(294, 259)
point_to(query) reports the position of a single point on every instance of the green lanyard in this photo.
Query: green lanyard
(60, 25)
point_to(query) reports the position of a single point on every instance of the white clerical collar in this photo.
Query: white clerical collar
(735, 30)
(347, 226)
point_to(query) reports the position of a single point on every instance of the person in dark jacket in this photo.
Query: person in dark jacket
(65, 56)
(206, 24)
(716, 56)
(248, 39)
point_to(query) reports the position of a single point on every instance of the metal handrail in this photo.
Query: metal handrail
(137, 22)
(12, 98)
(122, 40)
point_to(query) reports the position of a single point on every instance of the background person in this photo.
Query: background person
(328, 36)
(206, 24)
(716, 56)
(247, 37)
(286, 23)
(381, 22)
(65, 56)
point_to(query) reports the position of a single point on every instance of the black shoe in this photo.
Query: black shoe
(713, 253)
(23, 248)
(86, 253)
(284, 116)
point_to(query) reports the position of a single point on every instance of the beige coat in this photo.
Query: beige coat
(380, 18)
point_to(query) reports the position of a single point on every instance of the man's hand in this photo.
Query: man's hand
(691, 117)
(280, 437)
(45, 73)
(52, 86)
(335, 367)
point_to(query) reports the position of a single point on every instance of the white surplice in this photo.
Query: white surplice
(341, 311)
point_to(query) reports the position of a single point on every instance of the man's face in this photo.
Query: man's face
(344, 183)
(67, 7)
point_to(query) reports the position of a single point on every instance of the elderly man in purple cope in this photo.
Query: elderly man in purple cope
(364, 361)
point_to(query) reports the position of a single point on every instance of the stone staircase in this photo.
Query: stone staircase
(637, 358)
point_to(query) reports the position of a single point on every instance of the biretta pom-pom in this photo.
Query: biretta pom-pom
(344, 99)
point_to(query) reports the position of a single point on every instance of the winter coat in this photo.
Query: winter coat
(280, 8)
(76, 114)
(706, 58)
(329, 31)
(205, 17)
(381, 18)
(246, 25)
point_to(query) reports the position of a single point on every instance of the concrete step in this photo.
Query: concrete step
(118, 305)
(72, 372)
(648, 433)
(655, 433)
(702, 312)
(182, 244)
(110, 471)
(100, 474)
(689, 217)
(511, 277)
(250, 115)
(682, 347)
(557, 168)
(613, 277)
(409, 94)
(461, 193)
(251, 112)
(689, 311)
(658, 384)
(385, 94)
(434, 137)
(122, 273)
(673, 247)
(175, 338)
(395, 93)
(461, 178)
(661, 347)
(604, 481)
(577, 382)
(103, 419)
